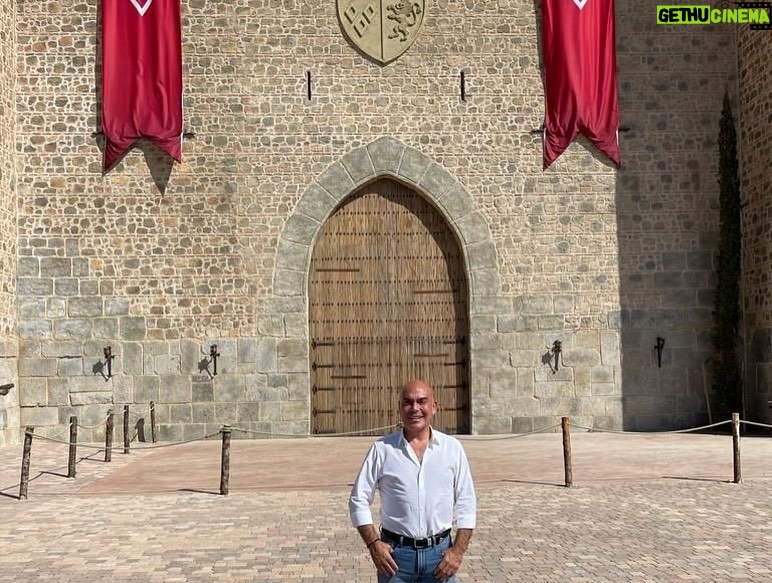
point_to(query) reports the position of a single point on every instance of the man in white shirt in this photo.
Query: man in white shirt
(422, 476)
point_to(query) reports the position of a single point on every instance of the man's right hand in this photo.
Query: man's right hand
(381, 552)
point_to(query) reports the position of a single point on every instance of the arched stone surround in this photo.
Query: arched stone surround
(284, 318)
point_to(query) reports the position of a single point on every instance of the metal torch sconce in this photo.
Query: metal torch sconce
(557, 349)
(213, 354)
(659, 347)
(109, 360)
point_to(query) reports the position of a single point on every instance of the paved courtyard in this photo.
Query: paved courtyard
(643, 508)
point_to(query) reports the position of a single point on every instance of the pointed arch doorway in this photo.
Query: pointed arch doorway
(388, 301)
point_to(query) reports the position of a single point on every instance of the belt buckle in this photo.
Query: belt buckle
(423, 543)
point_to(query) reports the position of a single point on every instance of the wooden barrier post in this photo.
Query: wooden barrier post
(73, 446)
(225, 465)
(152, 422)
(125, 429)
(569, 471)
(25, 462)
(738, 472)
(109, 436)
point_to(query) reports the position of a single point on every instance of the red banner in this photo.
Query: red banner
(141, 76)
(580, 76)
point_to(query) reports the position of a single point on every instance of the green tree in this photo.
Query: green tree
(727, 379)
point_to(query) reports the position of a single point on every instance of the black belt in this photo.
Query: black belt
(416, 543)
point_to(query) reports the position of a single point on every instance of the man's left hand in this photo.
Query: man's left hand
(451, 561)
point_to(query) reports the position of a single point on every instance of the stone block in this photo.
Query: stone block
(491, 425)
(181, 412)
(35, 329)
(288, 283)
(296, 325)
(335, 180)
(31, 307)
(267, 355)
(167, 364)
(132, 328)
(533, 304)
(602, 389)
(609, 347)
(265, 394)
(123, 390)
(473, 228)
(544, 374)
(56, 267)
(37, 367)
(66, 286)
(602, 374)
(581, 357)
(386, 154)
(247, 412)
(489, 305)
(316, 203)
(291, 356)
(413, 165)
(106, 328)
(551, 322)
(358, 164)
(28, 267)
(203, 413)
(132, 357)
(482, 256)
(546, 390)
(116, 306)
(503, 384)
(457, 203)
(34, 286)
(78, 399)
(68, 367)
(175, 389)
(271, 325)
(73, 328)
(58, 395)
(292, 256)
(56, 308)
(39, 416)
(32, 392)
(437, 180)
(522, 425)
(246, 349)
(485, 282)
(229, 388)
(84, 307)
(203, 392)
(271, 411)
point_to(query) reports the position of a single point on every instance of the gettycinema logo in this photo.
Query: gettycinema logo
(756, 14)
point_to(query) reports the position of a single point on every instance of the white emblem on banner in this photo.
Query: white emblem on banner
(143, 8)
(579, 3)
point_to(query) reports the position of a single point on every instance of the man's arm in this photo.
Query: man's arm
(362, 496)
(380, 552)
(452, 557)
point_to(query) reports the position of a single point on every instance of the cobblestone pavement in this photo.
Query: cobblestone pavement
(643, 509)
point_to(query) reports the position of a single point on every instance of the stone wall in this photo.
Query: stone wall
(9, 404)
(160, 262)
(755, 73)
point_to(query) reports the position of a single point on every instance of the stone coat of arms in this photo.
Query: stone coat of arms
(382, 29)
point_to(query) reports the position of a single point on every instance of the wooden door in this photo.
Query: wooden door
(388, 303)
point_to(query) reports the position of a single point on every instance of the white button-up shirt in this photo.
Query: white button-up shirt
(417, 498)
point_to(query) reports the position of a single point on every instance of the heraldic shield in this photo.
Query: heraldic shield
(382, 29)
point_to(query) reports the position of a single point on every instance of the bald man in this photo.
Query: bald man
(423, 478)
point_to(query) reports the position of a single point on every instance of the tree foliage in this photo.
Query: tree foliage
(727, 378)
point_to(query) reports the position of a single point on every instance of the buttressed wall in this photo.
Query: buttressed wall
(755, 71)
(159, 261)
(9, 403)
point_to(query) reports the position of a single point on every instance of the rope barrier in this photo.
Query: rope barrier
(513, 436)
(295, 435)
(675, 431)
(115, 448)
(756, 424)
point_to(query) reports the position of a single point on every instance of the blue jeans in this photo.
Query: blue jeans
(416, 565)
